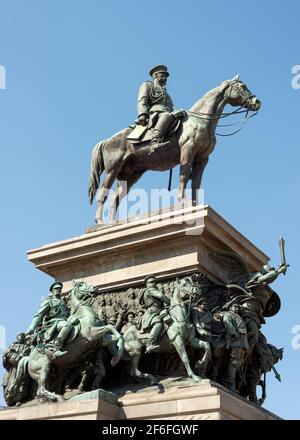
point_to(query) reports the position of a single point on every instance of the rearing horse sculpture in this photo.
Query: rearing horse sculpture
(91, 335)
(179, 334)
(191, 149)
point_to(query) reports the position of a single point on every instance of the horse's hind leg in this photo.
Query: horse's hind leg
(42, 393)
(103, 194)
(16, 387)
(201, 364)
(135, 373)
(124, 185)
(42, 379)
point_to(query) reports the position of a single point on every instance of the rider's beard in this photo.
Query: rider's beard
(161, 82)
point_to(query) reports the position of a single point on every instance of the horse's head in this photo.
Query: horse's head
(186, 288)
(81, 291)
(238, 94)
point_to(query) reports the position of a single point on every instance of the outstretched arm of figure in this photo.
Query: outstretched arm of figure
(272, 274)
(38, 318)
(160, 296)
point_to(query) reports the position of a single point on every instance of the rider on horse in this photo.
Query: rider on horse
(52, 318)
(153, 99)
(153, 300)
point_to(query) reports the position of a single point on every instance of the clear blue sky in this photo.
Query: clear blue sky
(73, 69)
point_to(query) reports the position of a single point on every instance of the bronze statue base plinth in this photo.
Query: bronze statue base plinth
(172, 400)
(167, 243)
(159, 285)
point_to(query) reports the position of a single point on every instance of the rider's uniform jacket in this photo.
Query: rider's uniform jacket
(153, 98)
(51, 311)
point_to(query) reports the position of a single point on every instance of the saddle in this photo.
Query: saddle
(141, 134)
(47, 335)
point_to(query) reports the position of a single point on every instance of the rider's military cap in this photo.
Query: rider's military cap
(56, 283)
(159, 68)
(149, 277)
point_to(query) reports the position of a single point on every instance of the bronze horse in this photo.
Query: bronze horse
(179, 335)
(126, 163)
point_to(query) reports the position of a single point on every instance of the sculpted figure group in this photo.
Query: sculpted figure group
(213, 331)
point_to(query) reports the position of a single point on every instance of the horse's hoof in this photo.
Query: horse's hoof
(196, 378)
(114, 361)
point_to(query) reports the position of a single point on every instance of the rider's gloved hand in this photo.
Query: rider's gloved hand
(179, 114)
(142, 119)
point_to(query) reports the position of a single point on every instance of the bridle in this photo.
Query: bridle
(246, 100)
(84, 302)
(182, 304)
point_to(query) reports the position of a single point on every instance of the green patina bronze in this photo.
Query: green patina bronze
(213, 330)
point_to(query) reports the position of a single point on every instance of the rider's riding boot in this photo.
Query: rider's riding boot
(57, 345)
(64, 333)
(152, 344)
(156, 141)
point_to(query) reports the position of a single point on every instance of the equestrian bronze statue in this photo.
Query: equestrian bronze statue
(163, 138)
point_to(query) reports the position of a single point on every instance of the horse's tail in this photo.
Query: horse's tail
(97, 167)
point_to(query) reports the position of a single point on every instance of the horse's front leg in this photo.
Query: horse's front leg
(122, 190)
(197, 173)
(97, 332)
(42, 393)
(180, 348)
(186, 160)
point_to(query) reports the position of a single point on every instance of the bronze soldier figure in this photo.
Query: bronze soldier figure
(153, 300)
(11, 358)
(236, 342)
(52, 317)
(254, 298)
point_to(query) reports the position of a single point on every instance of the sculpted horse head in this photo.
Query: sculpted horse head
(238, 94)
(180, 301)
(80, 294)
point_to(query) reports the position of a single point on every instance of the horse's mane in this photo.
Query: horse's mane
(207, 97)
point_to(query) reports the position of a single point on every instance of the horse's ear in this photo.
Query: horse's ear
(236, 77)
